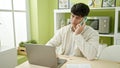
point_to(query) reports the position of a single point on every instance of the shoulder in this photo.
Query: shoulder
(90, 30)
(65, 28)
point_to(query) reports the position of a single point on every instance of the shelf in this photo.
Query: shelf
(68, 10)
(62, 13)
(104, 8)
(107, 35)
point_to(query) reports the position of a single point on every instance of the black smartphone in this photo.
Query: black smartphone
(83, 21)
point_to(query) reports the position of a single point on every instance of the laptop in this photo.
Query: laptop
(43, 55)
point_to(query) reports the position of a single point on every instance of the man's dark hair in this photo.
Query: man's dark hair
(80, 9)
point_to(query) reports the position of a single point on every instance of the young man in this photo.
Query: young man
(76, 39)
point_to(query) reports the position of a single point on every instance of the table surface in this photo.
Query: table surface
(97, 63)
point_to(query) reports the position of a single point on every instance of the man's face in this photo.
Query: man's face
(75, 19)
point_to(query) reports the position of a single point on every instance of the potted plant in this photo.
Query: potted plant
(21, 44)
(21, 48)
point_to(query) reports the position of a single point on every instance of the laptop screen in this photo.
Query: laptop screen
(41, 55)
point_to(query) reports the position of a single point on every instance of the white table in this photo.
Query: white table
(78, 60)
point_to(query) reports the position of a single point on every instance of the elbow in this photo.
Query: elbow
(90, 58)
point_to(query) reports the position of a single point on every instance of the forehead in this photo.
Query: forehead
(75, 15)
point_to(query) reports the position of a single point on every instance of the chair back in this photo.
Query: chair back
(111, 53)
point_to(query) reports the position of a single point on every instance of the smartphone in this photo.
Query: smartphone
(83, 21)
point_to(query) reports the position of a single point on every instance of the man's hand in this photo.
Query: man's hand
(79, 29)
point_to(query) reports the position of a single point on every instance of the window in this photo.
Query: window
(13, 22)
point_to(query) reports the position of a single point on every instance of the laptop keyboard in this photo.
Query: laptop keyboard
(60, 62)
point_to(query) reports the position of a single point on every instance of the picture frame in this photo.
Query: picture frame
(108, 3)
(94, 3)
(63, 4)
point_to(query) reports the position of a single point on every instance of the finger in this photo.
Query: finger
(78, 25)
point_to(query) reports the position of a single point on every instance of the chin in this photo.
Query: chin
(73, 25)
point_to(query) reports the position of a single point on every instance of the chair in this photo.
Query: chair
(111, 53)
